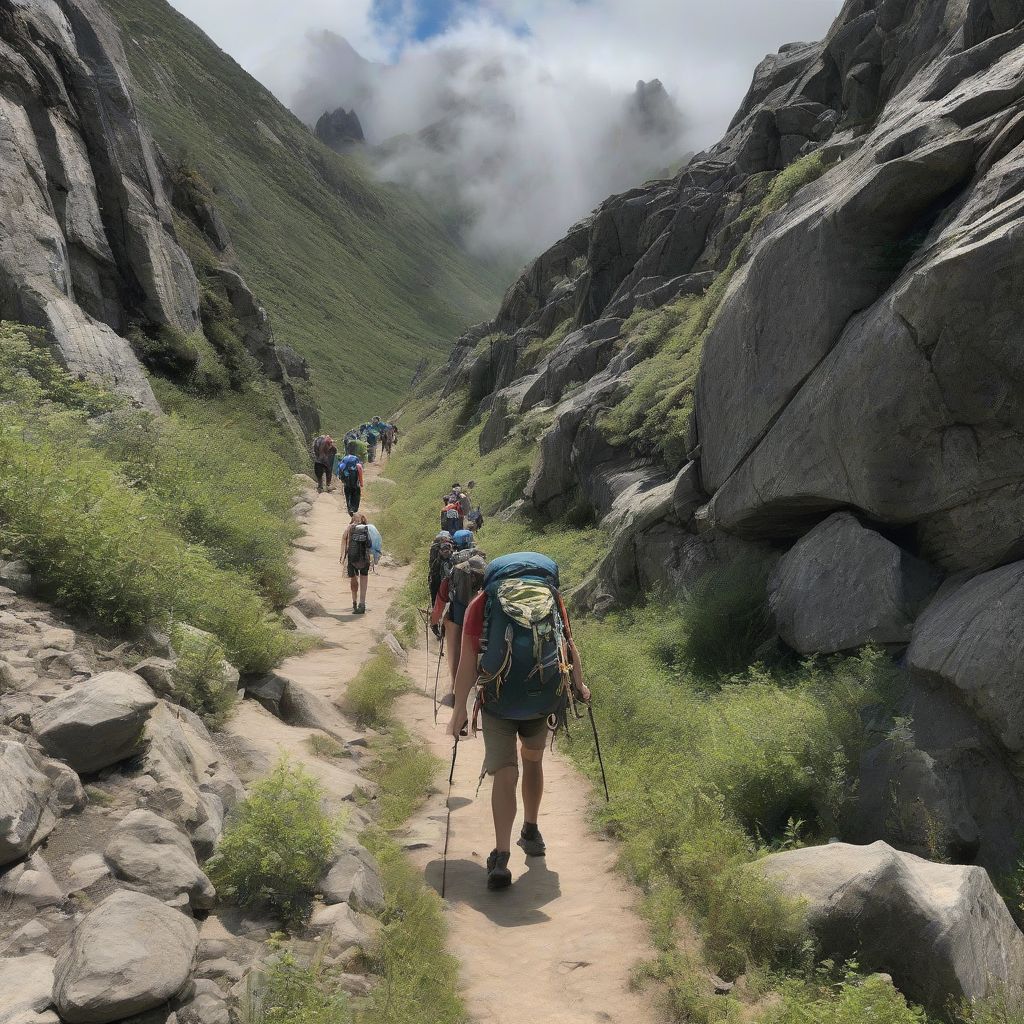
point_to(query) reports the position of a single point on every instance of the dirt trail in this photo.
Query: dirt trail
(558, 947)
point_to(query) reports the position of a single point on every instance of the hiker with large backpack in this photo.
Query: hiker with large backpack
(325, 452)
(350, 473)
(461, 582)
(518, 650)
(361, 545)
(451, 516)
(441, 550)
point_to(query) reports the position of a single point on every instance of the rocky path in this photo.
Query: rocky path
(558, 948)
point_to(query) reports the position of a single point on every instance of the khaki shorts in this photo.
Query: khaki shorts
(500, 734)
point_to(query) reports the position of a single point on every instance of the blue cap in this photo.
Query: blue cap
(463, 539)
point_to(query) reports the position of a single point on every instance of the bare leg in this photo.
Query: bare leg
(533, 783)
(363, 583)
(353, 583)
(453, 646)
(503, 807)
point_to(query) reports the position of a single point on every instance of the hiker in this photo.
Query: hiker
(451, 517)
(463, 577)
(465, 502)
(324, 454)
(475, 520)
(372, 437)
(441, 550)
(360, 544)
(351, 442)
(350, 473)
(387, 438)
(523, 669)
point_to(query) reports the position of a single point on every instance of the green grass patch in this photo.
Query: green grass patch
(88, 506)
(326, 747)
(370, 696)
(361, 278)
(288, 990)
(277, 846)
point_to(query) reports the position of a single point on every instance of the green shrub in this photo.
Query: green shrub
(852, 1000)
(287, 991)
(370, 696)
(727, 622)
(200, 681)
(326, 746)
(277, 845)
(997, 1008)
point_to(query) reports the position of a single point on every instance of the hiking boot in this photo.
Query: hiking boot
(498, 874)
(355, 608)
(532, 841)
(362, 609)
(448, 700)
(319, 489)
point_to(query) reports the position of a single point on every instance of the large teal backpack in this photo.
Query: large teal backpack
(523, 670)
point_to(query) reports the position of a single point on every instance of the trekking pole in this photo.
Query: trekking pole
(426, 649)
(600, 759)
(448, 822)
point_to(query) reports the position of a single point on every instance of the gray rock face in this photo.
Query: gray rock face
(347, 929)
(155, 856)
(105, 252)
(843, 586)
(131, 954)
(98, 723)
(25, 790)
(972, 638)
(31, 882)
(940, 930)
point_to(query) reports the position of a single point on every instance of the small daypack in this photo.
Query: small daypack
(476, 519)
(523, 664)
(466, 575)
(348, 470)
(451, 519)
(359, 547)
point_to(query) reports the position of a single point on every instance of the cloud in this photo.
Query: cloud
(529, 102)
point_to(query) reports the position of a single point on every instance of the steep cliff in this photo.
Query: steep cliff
(804, 348)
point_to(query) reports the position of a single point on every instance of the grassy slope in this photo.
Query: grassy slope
(362, 279)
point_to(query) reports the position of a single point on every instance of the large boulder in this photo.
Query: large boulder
(972, 638)
(31, 882)
(843, 586)
(156, 857)
(941, 930)
(98, 723)
(354, 879)
(26, 985)
(25, 793)
(128, 955)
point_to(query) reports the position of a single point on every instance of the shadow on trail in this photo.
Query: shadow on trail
(517, 907)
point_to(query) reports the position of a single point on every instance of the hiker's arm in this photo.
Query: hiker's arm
(441, 600)
(344, 548)
(577, 673)
(465, 678)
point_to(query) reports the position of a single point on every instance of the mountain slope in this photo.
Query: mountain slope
(361, 279)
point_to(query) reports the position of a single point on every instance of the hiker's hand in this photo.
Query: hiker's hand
(436, 630)
(458, 722)
(583, 691)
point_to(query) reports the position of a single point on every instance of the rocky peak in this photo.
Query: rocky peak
(339, 129)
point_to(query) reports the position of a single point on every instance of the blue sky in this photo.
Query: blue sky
(419, 20)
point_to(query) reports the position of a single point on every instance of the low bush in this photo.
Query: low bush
(200, 679)
(277, 846)
(728, 626)
(288, 991)
(850, 1000)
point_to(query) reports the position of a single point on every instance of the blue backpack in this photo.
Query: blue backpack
(348, 470)
(523, 668)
